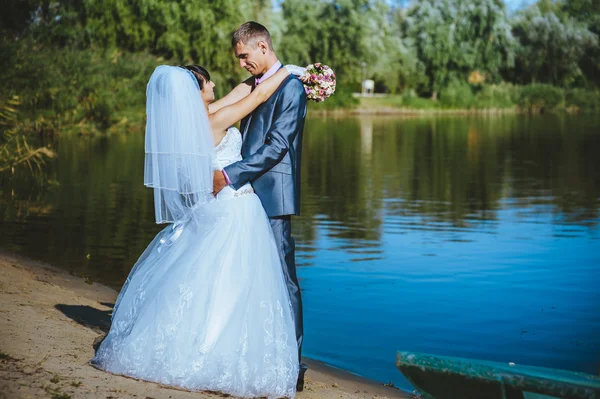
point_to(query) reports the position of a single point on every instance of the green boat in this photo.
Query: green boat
(443, 377)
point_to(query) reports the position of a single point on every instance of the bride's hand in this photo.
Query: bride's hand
(295, 70)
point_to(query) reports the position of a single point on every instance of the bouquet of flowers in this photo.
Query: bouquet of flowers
(319, 82)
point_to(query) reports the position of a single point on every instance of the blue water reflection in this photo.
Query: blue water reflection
(511, 290)
(484, 246)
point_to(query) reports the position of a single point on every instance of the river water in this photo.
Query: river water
(463, 236)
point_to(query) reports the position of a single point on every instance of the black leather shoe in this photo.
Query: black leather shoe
(300, 383)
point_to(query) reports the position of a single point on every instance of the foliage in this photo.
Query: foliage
(182, 30)
(97, 56)
(77, 90)
(582, 99)
(344, 34)
(550, 48)
(312, 33)
(15, 150)
(530, 98)
(457, 95)
(454, 37)
(586, 12)
(541, 97)
(342, 98)
(499, 96)
(390, 61)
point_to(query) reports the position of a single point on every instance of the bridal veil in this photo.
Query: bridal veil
(179, 145)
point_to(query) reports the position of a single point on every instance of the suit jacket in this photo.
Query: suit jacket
(271, 150)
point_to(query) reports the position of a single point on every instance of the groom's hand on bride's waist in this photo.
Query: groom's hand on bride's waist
(219, 181)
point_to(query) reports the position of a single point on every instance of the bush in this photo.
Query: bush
(583, 99)
(496, 96)
(342, 98)
(541, 97)
(457, 95)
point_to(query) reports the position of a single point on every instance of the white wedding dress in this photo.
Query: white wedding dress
(207, 308)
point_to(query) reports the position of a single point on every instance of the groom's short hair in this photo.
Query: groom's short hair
(251, 32)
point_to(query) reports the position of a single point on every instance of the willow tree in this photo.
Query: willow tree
(341, 33)
(551, 46)
(328, 32)
(456, 37)
(587, 12)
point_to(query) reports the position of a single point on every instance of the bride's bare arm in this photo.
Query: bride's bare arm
(235, 95)
(228, 115)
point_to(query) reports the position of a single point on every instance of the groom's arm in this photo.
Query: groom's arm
(290, 109)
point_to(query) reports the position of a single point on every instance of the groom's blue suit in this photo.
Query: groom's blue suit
(271, 150)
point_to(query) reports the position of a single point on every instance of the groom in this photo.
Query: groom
(272, 144)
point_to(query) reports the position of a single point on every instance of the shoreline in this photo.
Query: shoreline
(51, 319)
(392, 111)
(427, 112)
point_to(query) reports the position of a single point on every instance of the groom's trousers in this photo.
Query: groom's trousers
(282, 229)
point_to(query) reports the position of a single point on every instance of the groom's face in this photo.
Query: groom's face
(252, 57)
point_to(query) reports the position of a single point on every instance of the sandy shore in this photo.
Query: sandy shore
(50, 319)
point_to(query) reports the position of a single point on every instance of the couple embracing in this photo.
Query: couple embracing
(213, 303)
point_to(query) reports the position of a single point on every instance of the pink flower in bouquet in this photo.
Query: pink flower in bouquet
(319, 82)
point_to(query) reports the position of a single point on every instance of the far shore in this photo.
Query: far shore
(392, 111)
(51, 319)
(398, 105)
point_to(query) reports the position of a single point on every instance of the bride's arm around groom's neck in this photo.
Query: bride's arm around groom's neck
(235, 95)
(231, 114)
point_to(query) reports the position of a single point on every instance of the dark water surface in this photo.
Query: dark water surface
(462, 236)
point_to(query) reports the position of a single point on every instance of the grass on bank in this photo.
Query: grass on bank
(533, 98)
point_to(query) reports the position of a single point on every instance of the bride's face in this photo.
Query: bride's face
(208, 94)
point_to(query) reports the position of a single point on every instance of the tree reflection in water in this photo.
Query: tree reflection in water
(361, 176)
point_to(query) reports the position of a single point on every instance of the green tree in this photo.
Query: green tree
(551, 46)
(587, 12)
(181, 30)
(453, 38)
(342, 34)
(390, 61)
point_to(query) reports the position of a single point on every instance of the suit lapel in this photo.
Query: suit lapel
(246, 121)
(245, 125)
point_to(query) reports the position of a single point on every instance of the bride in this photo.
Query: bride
(205, 307)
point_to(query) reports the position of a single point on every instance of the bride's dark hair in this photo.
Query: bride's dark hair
(199, 73)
